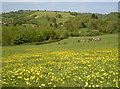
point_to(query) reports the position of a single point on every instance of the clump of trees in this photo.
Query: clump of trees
(19, 35)
(25, 27)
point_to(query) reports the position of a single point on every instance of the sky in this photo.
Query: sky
(83, 7)
(60, 0)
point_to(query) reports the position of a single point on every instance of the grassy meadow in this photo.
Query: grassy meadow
(74, 64)
(65, 16)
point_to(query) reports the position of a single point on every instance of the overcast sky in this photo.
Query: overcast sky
(60, 0)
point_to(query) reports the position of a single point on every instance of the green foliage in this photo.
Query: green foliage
(53, 19)
(47, 17)
(55, 25)
(9, 33)
(74, 13)
(69, 26)
(94, 33)
(25, 26)
(58, 16)
(61, 34)
(94, 16)
(18, 40)
(83, 25)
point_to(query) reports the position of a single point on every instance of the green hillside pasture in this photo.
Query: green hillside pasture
(107, 42)
(65, 16)
(74, 64)
(51, 14)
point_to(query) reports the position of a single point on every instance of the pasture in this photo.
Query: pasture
(74, 64)
(65, 16)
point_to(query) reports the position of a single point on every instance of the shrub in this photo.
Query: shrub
(94, 33)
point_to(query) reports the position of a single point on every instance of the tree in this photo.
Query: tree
(68, 25)
(51, 25)
(34, 16)
(58, 16)
(94, 16)
(60, 24)
(83, 25)
(47, 17)
(55, 25)
(94, 33)
(74, 13)
(53, 19)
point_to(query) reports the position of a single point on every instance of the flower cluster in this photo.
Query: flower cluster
(87, 68)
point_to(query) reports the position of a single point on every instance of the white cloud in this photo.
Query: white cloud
(60, 0)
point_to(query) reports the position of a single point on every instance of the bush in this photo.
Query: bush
(58, 16)
(18, 40)
(94, 33)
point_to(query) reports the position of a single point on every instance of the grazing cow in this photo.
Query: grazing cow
(82, 40)
(96, 39)
(100, 39)
(88, 40)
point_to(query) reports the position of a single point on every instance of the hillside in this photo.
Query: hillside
(27, 26)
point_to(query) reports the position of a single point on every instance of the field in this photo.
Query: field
(65, 16)
(74, 64)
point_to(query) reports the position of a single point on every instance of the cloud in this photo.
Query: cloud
(60, 0)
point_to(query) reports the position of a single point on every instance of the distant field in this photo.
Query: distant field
(74, 64)
(51, 14)
(65, 15)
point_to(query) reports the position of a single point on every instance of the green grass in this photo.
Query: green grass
(107, 42)
(65, 16)
(0, 31)
(51, 14)
(93, 64)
